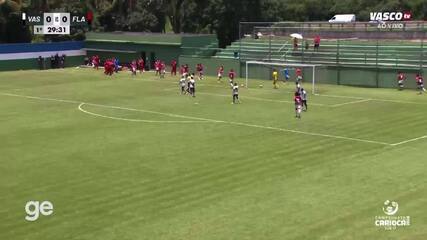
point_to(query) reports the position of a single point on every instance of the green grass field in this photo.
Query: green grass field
(130, 158)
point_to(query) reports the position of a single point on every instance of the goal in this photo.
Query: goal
(263, 70)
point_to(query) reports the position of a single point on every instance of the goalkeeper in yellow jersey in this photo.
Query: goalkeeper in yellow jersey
(275, 78)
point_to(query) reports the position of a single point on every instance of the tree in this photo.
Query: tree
(11, 28)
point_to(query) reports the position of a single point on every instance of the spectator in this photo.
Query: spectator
(52, 61)
(40, 62)
(62, 60)
(316, 42)
(57, 60)
(295, 43)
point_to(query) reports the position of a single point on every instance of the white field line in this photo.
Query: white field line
(352, 102)
(80, 107)
(257, 98)
(107, 106)
(409, 140)
(308, 133)
(371, 99)
(331, 96)
(246, 97)
(203, 119)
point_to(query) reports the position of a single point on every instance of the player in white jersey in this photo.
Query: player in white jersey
(235, 92)
(304, 99)
(192, 87)
(182, 84)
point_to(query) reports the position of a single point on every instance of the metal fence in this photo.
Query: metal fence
(390, 44)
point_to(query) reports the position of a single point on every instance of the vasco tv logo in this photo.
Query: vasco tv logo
(35, 208)
(390, 16)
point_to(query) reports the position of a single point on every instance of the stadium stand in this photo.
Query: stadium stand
(331, 52)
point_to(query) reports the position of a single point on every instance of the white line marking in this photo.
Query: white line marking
(247, 97)
(309, 133)
(107, 106)
(372, 99)
(40, 98)
(327, 95)
(255, 98)
(352, 102)
(410, 140)
(203, 119)
(80, 107)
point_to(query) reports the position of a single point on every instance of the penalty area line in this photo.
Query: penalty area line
(409, 140)
(352, 102)
(247, 97)
(80, 104)
(310, 133)
(80, 107)
(370, 99)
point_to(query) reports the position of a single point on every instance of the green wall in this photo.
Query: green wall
(340, 75)
(211, 65)
(25, 64)
(367, 77)
(165, 46)
(164, 52)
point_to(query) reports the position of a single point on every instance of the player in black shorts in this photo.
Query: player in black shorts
(420, 83)
(192, 87)
(235, 93)
(303, 95)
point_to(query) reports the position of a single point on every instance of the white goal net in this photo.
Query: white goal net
(259, 70)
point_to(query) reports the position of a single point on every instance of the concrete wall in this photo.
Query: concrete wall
(128, 51)
(23, 56)
(211, 65)
(25, 64)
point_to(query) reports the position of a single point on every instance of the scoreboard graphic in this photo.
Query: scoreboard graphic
(53, 23)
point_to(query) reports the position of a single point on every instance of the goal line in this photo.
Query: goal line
(283, 65)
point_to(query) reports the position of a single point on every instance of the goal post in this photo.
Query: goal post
(311, 68)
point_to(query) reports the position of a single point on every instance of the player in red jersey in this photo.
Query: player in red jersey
(199, 69)
(133, 67)
(173, 67)
(298, 105)
(162, 69)
(157, 67)
(231, 75)
(400, 80)
(298, 72)
(220, 73)
(181, 70)
(420, 83)
(106, 64)
(95, 62)
(141, 65)
(109, 67)
(186, 70)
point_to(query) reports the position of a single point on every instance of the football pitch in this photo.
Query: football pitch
(129, 158)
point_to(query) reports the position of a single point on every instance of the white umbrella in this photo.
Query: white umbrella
(296, 35)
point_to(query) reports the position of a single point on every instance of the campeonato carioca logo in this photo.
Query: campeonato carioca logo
(391, 221)
(390, 207)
